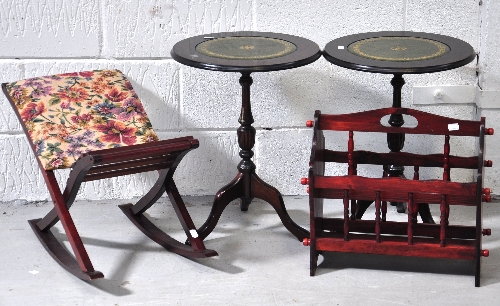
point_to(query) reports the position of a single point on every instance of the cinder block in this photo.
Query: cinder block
(282, 158)
(208, 168)
(43, 29)
(156, 83)
(324, 21)
(145, 29)
(458, 19)
(21, 178)
(10, 71)
(210, 99)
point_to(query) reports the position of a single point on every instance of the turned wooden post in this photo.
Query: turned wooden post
(246, 138)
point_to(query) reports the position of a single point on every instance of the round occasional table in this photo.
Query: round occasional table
(398, 53)
(247, 52)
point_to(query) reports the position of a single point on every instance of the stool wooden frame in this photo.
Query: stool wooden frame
(163, 156)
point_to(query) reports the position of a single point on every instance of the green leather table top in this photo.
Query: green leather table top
(246, 48)
(245, 51)
(398, 49)
(399, 52)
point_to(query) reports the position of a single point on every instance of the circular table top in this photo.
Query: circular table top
(401, 52)
(245, 51)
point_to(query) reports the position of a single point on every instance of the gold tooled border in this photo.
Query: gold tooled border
(442, 49)
(203, 48)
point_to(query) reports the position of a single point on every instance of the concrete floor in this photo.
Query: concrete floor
(260, 263)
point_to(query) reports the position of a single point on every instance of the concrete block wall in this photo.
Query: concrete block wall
(55, 36)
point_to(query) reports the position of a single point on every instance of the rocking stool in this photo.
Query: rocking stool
(94, 123)
(378, 236)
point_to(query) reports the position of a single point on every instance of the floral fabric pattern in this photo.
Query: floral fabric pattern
(67, 115)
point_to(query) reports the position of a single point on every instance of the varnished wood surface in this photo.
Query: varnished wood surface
(247, 185)
(378, 236)
(185, 52)
(163, 156)
(461, 53)
(390, 245)
(370, 121)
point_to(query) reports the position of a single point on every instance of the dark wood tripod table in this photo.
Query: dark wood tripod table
(398, 53)
(247, 52)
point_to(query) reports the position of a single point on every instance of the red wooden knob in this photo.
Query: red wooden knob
(307, 190)
(487, 232)
(488, 163)
(489, 131)
(306, 241)
(485, 253)
(486, 191)
(486, 198)
(304, 181)
(309, 123)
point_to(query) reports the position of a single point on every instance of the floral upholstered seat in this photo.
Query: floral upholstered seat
(67, 115)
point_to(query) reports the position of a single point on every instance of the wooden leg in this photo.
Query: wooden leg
(378, 205)
(259, 189)
(313, 258)
(425, 213)
(60, 254)
(224, 196)
(80, 265)
(186, 221)
(247, 198)
(361, 207)
(479, 237)
(272, 196)
(477, 272)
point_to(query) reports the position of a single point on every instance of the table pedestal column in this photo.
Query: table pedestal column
(246, 141)
(247, 185)
(396, 141)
